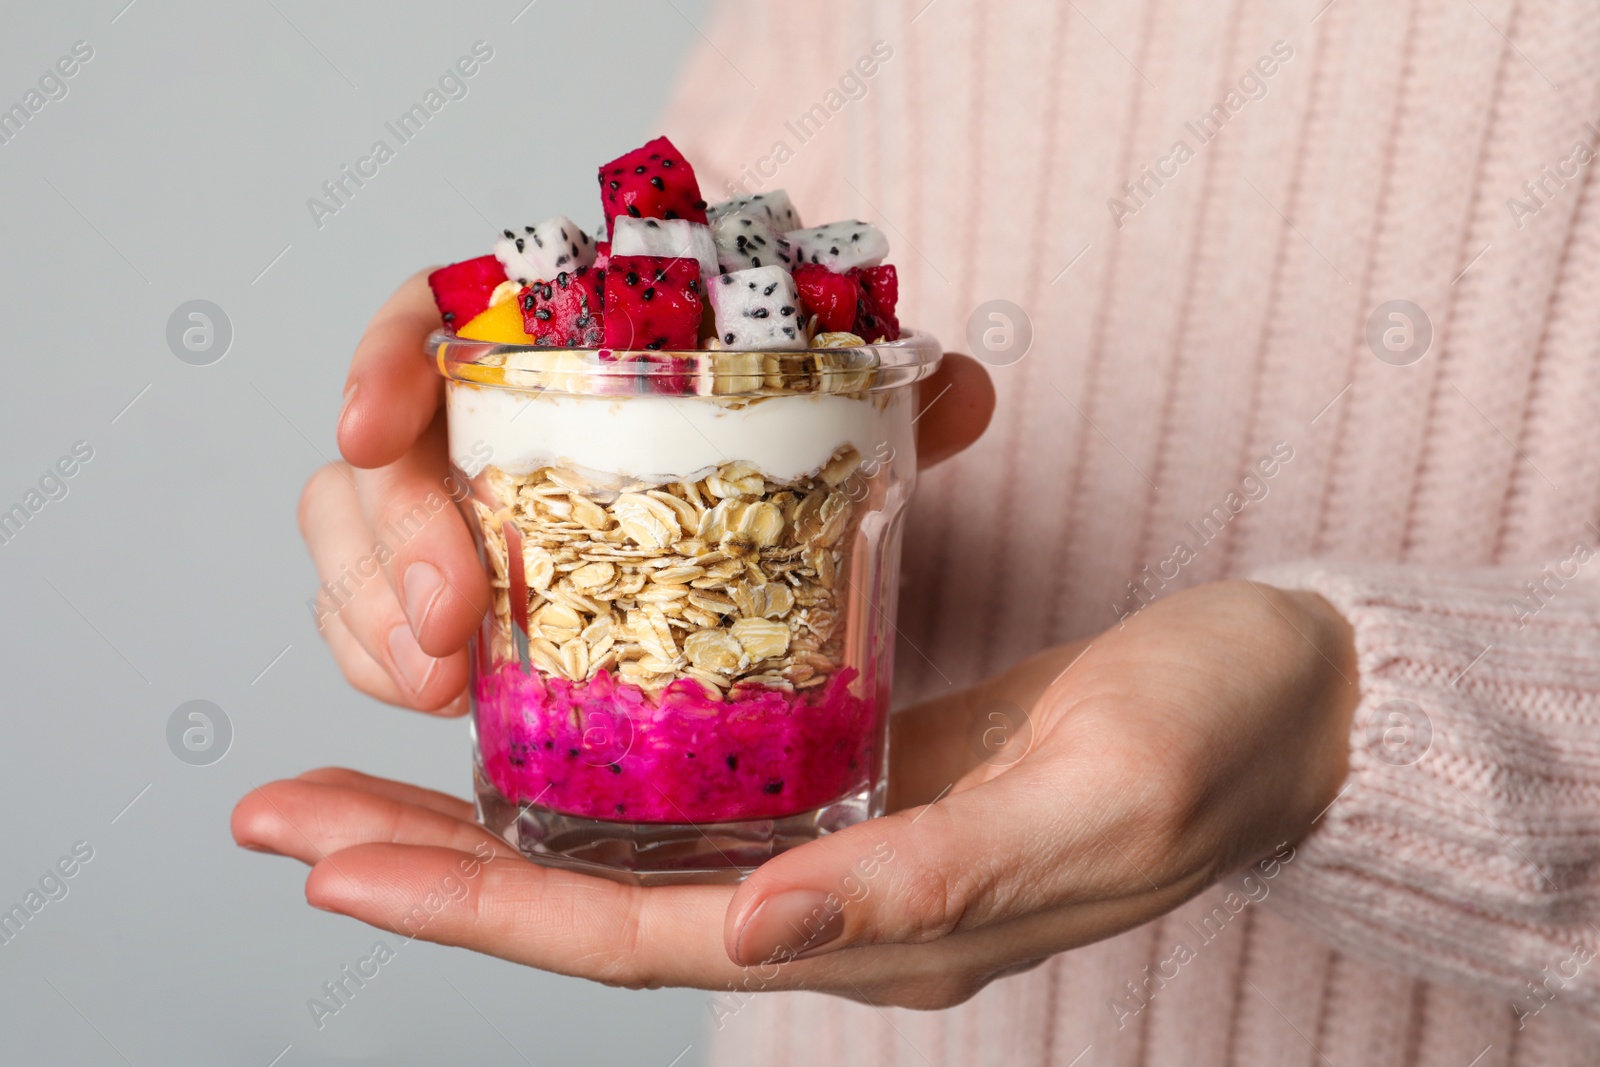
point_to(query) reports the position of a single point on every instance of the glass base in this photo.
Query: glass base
(662, 853)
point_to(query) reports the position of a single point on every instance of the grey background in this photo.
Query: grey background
(177, 168)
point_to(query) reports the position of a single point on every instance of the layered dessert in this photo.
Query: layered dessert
(689, 439)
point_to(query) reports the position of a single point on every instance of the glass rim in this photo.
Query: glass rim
(688, 372)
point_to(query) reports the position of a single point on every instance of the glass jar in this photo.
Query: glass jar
(693, 560)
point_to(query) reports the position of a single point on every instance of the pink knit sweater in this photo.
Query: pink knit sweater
(1191, 309)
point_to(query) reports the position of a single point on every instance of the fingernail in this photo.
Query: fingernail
(415, 666)
(422, 583)
(349, 398)
(788, 925)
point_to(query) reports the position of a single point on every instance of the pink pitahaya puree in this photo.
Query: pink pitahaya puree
(604, 750)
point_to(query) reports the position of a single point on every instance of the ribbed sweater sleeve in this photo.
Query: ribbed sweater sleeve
(1466, 841)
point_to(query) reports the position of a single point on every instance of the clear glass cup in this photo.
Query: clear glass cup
(693, 559)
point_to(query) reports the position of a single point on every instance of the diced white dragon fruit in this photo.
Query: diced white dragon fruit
(841, 246)
(757, 308)
(677, 238)
(774, 207)
(539, 253)
(745, 240)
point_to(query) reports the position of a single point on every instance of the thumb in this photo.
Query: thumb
(956, 420)
(914, 876)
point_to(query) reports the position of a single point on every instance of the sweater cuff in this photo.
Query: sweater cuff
(1466, 839)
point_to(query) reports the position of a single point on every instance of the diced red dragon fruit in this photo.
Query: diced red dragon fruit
(602, 254)
(567, 312)
(462, 289)
(831, 297)
(880, 290)
(653, 181)
(653, 302)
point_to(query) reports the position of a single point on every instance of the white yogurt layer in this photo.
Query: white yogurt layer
(656, 439)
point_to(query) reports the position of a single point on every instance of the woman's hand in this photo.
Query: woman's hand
(1129, 773)
(402, 586)
(402, 589)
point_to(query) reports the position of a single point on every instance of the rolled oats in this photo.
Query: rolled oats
(728, 581)
(761, 638)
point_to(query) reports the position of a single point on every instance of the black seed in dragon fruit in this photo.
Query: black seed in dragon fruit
(774, 207)
(840, 246)
(653, 181)
(757, 308)
(652, 302)
(567, 311)
(744, 240)
(670, 238)
(539, 253)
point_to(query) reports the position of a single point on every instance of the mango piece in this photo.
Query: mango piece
(500, 323)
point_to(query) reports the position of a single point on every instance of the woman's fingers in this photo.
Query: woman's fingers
(428, 553)
(405, 792)
(357, 602)
(1072, 823)
(309, 821)
(395, 521)
(977, 856)
(380, 849)
(362, 671)
(554, 920)
(392, 390)
(397, 857)
(956, 403)
(571, 924)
